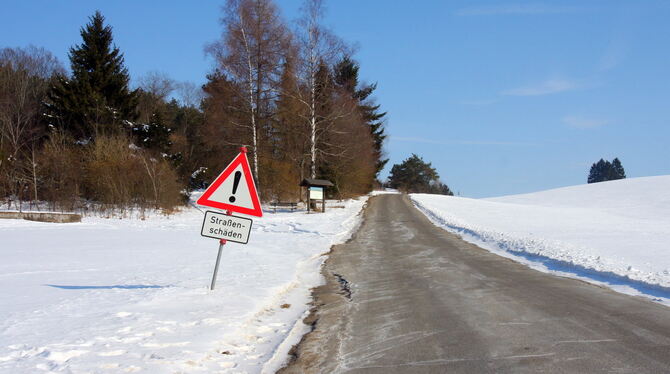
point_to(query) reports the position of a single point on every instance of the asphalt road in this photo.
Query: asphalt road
(404, 296)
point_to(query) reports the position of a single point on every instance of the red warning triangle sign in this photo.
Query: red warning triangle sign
(234, 189)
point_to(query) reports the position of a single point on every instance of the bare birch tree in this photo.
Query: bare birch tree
(155, 88)
(318, 48)
(24, 76)
(189, 94)
(251, 53)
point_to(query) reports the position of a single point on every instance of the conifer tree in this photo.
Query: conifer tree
(618, 169)
(593, 174)
(154, 135)
(596, 172)
(346, 76)
(443, 189)
(96, 98)
(603, 170)
(416, 175)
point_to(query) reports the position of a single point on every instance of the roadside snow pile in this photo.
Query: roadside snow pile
(111, 295)
(385, 191)
(614, 233)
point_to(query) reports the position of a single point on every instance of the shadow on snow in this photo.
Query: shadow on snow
(116, 286)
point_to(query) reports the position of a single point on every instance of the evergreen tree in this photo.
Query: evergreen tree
(346, 77)
(154, 135)
(443, 189)
(186, 137)
(324, 95)
(376, 122)
(415, 175)
(618, 169)
(603, 170)
(96, 99)
(596, 174)
(593, 174)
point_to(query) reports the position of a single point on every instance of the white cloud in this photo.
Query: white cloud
(584, 123)
(516, 9)
(547, 87)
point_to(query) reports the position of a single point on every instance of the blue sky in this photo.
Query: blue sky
(502, 97)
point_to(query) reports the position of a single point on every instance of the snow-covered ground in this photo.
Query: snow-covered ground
(612, 233)
(114, 296)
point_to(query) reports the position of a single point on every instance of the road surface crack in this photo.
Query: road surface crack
(344, 286)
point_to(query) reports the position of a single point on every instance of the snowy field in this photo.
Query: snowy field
(612, 233)
(116, 296)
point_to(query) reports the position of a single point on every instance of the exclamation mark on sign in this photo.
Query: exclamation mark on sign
(236, 183)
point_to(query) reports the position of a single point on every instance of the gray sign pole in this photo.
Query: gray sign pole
(222, 242)
(218, 259)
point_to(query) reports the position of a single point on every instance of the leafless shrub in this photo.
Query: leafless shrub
(121, 175)
(61, 172)
(281, 181)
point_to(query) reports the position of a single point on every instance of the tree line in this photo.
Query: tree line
(290, 93)
(603, 171)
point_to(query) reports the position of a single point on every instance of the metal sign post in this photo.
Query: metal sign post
(233, 190)
(226, 228)
(222, 242)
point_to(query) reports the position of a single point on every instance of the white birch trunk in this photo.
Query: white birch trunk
(252, 105)
(312, 125)
(312, 104)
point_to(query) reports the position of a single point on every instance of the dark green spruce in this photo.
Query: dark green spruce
(604, 170)
(346, 76)
(96, 98)
(414, 175)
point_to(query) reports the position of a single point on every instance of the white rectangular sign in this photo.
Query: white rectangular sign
(222, 226)
(316, 193)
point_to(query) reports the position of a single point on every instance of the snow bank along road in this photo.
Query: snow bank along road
(613, 233)
(406, 296)
(124, 296)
